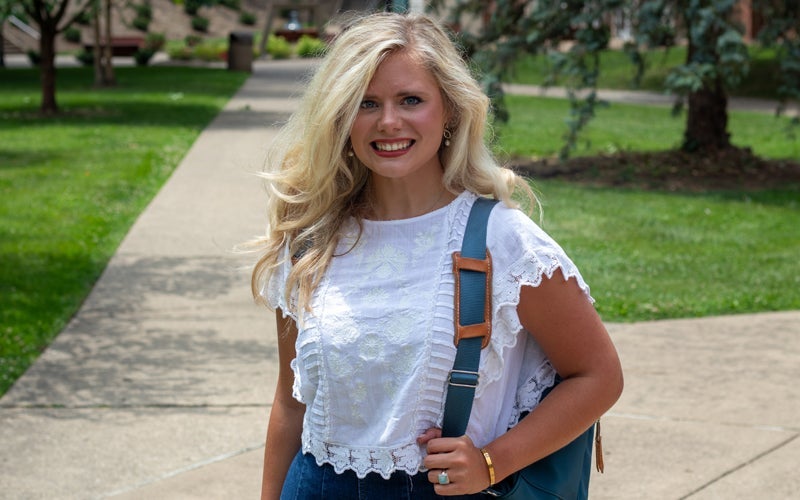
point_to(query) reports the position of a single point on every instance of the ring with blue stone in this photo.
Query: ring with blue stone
(443, 479)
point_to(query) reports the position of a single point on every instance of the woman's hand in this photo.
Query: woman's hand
(466, 468)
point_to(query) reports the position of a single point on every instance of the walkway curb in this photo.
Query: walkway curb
(652, 98)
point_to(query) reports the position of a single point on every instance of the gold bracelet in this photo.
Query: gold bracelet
(489, 465)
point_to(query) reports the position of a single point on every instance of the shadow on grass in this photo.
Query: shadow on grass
(162, 96)
(196, 80)
(13, 159)
(139, 114)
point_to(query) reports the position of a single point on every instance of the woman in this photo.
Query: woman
(371, 182)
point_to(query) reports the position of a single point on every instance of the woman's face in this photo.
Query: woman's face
(398, 130)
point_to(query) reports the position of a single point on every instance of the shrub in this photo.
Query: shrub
(34, 57)
(141, 23)
(72, 34)
(211, 51)
(180, 53)
(143, 56)
(192, 6)
(154, 41)
(200, 23)
(144, 10)
(84, 18)
(278, 47)
(247, 18)
(309, 46)
(85, 57)
(231, 4)
(192, 40)
(144, 14)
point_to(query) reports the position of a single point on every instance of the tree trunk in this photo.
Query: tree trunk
(47, 15)
(707, 116)
(2, 46)
(109, 80)
(97, 52)
(707, 120)
(47, 69)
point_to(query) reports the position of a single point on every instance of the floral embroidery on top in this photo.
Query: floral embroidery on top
(373, 358)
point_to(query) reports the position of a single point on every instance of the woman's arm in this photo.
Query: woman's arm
(285, 418)
(565, 324)
(563, 321)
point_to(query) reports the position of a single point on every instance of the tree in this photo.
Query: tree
(716, 60)
(782, 30)
(103, 66)
(8, 8)
(573, 32)
(51, 17)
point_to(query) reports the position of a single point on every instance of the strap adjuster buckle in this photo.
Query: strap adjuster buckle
(464, 378)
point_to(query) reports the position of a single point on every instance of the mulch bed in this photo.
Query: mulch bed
(675, 170)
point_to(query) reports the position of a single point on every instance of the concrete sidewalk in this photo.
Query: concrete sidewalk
(160, 387)
(169, 367)
(653, 98)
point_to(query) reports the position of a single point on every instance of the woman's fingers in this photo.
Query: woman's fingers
(432, 433)
(455, 466)
(447, 453)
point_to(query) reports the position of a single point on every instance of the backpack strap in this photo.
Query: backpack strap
(472, 268)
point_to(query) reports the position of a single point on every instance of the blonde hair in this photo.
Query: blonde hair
(314, 186)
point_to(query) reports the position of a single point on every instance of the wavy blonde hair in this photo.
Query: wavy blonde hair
(314, 186)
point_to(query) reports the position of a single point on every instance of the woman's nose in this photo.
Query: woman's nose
(389, 118)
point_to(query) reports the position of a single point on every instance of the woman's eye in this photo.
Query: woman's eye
(411, 100)
(368, 104)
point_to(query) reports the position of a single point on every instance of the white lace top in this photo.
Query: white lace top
(373, 357)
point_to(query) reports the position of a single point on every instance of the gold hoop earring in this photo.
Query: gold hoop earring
(447, 136)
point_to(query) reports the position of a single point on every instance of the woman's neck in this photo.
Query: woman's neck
(390, 199)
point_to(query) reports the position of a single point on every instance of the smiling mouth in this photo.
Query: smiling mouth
(391, 147)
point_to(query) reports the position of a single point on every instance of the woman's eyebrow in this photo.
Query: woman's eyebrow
(400, 93)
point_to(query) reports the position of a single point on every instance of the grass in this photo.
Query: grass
(653, 255)
(537, 125)
(617, 72)
(71, 186)
(656, 255)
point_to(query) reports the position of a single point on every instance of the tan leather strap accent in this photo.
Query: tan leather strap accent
(480, 329)
(598, 452)
(470, 264)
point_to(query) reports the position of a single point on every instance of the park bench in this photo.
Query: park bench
(121, 46)
(292, 36)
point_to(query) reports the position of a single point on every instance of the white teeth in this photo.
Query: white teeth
(394, 146)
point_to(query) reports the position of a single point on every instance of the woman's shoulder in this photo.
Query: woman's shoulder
(514, 225)
(510, 230)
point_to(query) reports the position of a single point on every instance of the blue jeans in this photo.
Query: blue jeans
(308, 481)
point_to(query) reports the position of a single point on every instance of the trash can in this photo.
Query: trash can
(240, 51)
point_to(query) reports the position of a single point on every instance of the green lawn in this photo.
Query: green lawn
(654, 255)
(617, 72)
(537, 126)
(650, 255)
(70, 187)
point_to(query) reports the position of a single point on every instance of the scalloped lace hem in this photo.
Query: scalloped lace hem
(362, 461)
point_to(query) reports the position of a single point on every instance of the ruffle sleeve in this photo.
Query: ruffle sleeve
(274, 290)
(522, 255)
